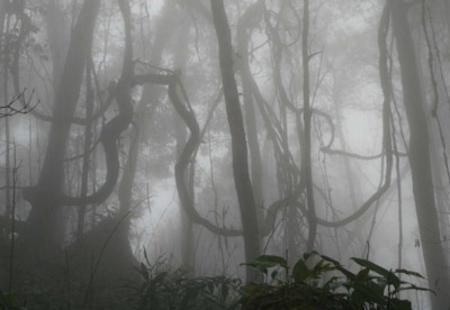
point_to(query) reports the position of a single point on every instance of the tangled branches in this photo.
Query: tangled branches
(19, 104)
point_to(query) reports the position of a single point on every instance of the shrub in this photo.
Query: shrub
(9, 302)
(175, 290)
(318, 282)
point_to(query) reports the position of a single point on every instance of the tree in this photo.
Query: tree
(42, 232)
(242, 181)
(419, 158)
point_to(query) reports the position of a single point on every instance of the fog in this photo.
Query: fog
(157, 154)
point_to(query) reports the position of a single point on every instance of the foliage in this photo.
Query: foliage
(162, 289)
(9, 302)
(319, 282)
(315, 282)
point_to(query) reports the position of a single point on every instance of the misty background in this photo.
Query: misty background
(165, 131)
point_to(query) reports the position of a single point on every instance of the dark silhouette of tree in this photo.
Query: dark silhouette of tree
(242, 181)
(419, 158)
(42, 230)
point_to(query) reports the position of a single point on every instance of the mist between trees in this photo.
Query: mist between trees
(187, 137)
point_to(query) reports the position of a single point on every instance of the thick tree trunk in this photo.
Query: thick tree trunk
(238, 140)
(419, 157)
(58, 37)
(41, 234)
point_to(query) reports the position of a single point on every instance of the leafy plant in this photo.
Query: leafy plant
(9, 302)
(163, 290)
(320, 282)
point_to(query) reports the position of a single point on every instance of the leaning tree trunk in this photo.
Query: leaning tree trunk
(238, 140)
(419, 157)
(41, 233)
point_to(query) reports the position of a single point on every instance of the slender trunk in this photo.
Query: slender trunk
(186, 223)
(7, 164)
(307, 113)
(129, 173)
(86, 150)
(245, 27)
(5, 50)
(238, 140)
(447, 14)
(187, 232)
(2, 20)
(419, 157)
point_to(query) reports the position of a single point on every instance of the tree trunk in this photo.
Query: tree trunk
(307, 115)
(247, 22)
(2, 20)
(88, 136)
(41, 234)
(238, 140)
(5, 47)
(447, 14)
(419, 157)
(58, 33)
(187, 232)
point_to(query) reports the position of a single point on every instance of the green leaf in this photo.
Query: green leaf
(390, 277)
(272, 260)
(363, 275)
(415, 288)
(372, 266)
(322, 267)
(265, 262)
(397, 304)
(306, 256)
(253, 290)
(367, 292)
(409, 273)
(350, 275)
(274, 274)
(331, 260)
(301, 272)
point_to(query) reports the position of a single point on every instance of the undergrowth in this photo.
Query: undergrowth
(315, 282)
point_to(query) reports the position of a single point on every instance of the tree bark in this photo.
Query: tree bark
(247, 22)
(88, 136)
(307, 115)
(419, 158)
(187, 232)
(58, 34)
(238, 139)
(41, 234)
(2, 20)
